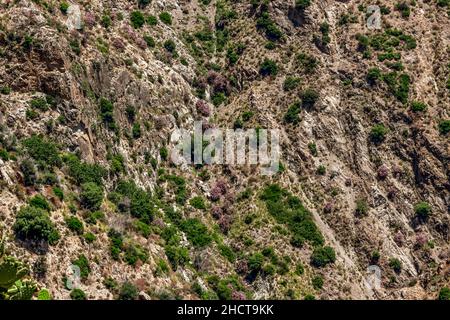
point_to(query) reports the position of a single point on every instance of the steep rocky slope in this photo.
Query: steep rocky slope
(92, 90)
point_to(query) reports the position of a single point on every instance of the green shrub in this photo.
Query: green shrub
(116, 245)
(106, 112)
(309, 98)
(422, 210)
(64, 6)
(38, 201)
(39, 103)
(255, 262)
(321, 170)
(299, 269)
(227, 252)
(312, 148)
(150, 41)
(128, 291)
(74, 224)
(417, 106)
(404, 9)
(29, 172)
(144, 3)
(91, 196)
(140, 204)
(361, 207)
(378, 133)
(268, 68)
(444, 294)
(444, 127)
(164, 153)
(136, 131)
(83, 172)
(317, 282)
(4, 155)
(196, 232)
(106, 21)
(46, 153)
(83, 263)
(137, 19)
(177, 256)
(77, 294)
(302, 4)
(134, 253)
(198, 203)
(322, 256)
(288, 209)
(43, 294)
(166, 18)
(5, 90)
(373, 75)
(34, 224)
(170, 46)
(152, 20)
(89, 237)
(142, 228)
(395, 264)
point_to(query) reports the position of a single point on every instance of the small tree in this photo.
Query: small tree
(91, 196)
(378, 133)
(422, 210)
(322, 256)
(268, 68)
(137, 19)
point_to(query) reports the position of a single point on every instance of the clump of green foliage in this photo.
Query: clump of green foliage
(166, 18)
(106, 112)
(268, 68)
(77, 294)
(198, 203)
(196, 232)
(83, 172)
(323, 256)
(422, 210)
(91, 196)
(83, 263)
(43, 151)
(75, 224)
(38, 201)
(378, 133)
(34, 224)
(288, 210)
(395, 264)
(292, 114)
(137, 19)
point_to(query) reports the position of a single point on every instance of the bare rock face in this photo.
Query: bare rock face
(92, 93)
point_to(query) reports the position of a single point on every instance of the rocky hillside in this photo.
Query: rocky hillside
(92, 207)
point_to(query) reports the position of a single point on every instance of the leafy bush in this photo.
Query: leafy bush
(128, 291)
(317, 282)
(302, 4)
(143, 3)
(309, 98)
(38, 201)
(292, 115)
(150, 41)
(77, 294)
(322, 256)
(196, 232)
(271, 29)
(64, 6)
(106, 112)
(34, 224)
(268, 68)
(135, 200)
(177, 256)
(417, 106)
(83, 172)
(105, 21)
(422, 210)
(312, 148)
(137, 19)
(444, 294)
(166, 18)
(288, 209)
(89, 237)
(43, 294)
(373, 75)
(152, 20)
(198, 203)
(444, 127)
(361, 207)
(43, 151)
(74, 224)
(29, 172)
(404, 9)
(133, 253)
(170, 46)
(136, 131)
(378, 133)
(83, 263)
(227, 252)
(91, 196)
(116, 245)
(255, 262)
(395, 264)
